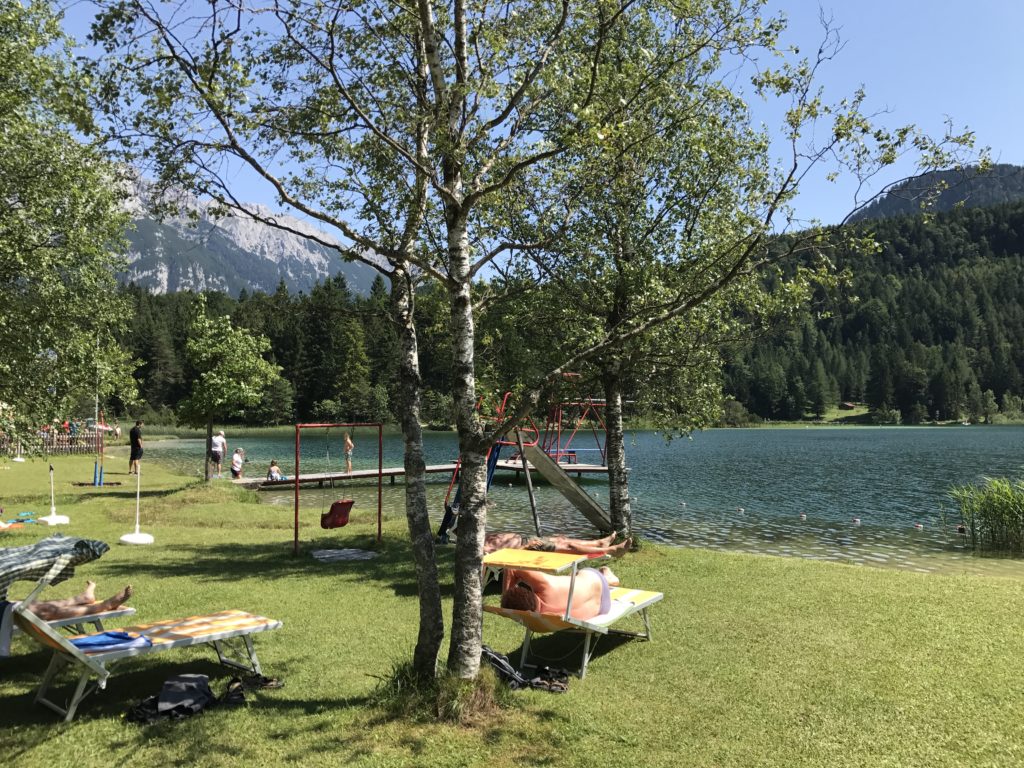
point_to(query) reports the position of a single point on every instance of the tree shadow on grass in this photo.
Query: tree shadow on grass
(565, 650)
(393, 567)
(135, 680)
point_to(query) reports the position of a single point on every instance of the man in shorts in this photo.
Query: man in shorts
(135, 440)
(218, 449)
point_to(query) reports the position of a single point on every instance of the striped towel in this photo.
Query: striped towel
(33, 561)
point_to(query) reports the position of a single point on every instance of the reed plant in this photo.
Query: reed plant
(993, 515)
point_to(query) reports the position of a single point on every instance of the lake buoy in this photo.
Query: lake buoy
(741, 510)
(803, 516)
(919, 526)
(683, 503)
(856, 521)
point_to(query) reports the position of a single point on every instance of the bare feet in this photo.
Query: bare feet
(611, 578)
(621, 548)
(88, 595)
(117, 600)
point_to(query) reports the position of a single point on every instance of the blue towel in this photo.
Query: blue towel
(111, 641)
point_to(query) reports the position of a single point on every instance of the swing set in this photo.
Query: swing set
(338, 515)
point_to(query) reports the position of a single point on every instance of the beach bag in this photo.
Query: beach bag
(337, 516)
(182, 696)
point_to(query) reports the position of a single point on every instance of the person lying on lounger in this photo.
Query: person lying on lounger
(547, 593)
(495, 541)
(84, 604)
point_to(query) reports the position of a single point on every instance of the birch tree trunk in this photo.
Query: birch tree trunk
(618, 481)
(431, 629)
(209, 445)
(467, 612)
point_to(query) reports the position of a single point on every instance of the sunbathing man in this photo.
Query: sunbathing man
(495, 541)
(546, 593)
(84, 604)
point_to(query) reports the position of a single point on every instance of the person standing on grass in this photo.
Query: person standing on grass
(135, 440)
(218, 449)
(349, 447)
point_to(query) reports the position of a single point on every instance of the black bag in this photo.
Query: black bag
(182, 696)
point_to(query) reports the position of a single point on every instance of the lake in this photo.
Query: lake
(871, 496)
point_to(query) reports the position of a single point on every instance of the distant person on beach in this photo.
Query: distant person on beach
(237, 462)
(507, 540)
(135, 440)
(218, 449)
(274, 473)
(349, 447)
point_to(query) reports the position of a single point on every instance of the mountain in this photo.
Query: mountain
(203, 252)
(966, 188)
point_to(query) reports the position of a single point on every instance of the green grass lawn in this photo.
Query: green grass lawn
(755, 660)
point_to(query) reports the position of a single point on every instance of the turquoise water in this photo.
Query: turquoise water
(873, 496)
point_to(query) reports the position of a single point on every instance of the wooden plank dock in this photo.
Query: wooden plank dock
(322, 479)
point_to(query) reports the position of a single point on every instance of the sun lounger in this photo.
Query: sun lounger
(624, 602)
(78, 624)
(229, 632)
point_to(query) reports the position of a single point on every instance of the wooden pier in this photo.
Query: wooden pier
(328, 479)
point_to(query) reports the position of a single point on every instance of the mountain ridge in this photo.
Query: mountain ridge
(198, 250)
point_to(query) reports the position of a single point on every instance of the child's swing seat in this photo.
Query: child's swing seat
(337, 516)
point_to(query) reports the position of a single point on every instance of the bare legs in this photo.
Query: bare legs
(82, 605)
(590, 546)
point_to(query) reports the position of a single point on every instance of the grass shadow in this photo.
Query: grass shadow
(393, 567)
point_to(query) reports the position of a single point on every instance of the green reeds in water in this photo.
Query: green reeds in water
(993, 515)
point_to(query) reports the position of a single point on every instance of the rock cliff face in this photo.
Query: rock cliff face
(229, 253)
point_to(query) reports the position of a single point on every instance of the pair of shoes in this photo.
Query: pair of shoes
(253, 682)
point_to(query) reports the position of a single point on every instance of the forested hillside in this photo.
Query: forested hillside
(929, 327)
(943, 191)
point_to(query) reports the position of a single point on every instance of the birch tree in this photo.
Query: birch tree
(436, 139)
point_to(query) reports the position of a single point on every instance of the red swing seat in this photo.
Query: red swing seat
(337, 516)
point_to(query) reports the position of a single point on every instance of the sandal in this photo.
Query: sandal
(253, 682)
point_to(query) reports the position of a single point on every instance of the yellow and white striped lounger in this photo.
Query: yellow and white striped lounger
(624, 602)
(229, 632)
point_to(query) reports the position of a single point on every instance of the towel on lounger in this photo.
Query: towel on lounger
(111, 641)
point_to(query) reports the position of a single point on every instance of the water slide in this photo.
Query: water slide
(565, 485)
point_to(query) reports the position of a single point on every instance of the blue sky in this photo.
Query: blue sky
(921, 61)
(918, 60)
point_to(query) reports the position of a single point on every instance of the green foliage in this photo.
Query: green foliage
(924, 324)
(993, 515)
(230, 372)
(61, 234)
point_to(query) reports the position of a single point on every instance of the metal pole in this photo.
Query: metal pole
(295, 546)
(380, 480)
(529, 482)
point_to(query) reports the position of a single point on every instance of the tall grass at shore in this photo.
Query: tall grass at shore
(993, 515)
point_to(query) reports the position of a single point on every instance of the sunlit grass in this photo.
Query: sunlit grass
(754, 661)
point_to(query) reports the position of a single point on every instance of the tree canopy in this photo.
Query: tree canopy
(61, 227)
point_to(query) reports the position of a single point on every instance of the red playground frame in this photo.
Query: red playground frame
(380, 471)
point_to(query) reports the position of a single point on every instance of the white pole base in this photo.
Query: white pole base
(54, 519)
(137, 538)
(19, 459)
